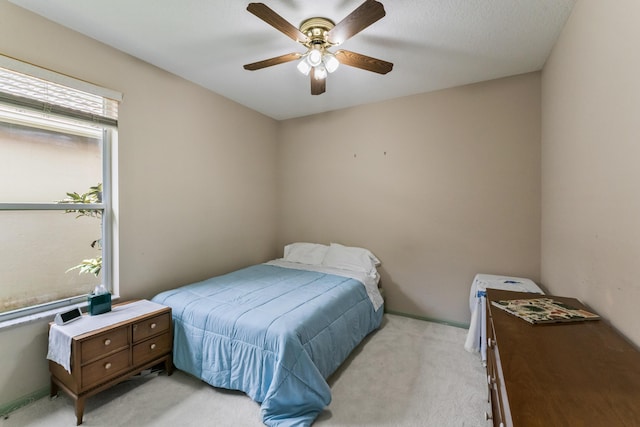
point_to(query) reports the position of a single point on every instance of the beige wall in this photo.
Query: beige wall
(590, 154)
(439, 186)
(197, 178)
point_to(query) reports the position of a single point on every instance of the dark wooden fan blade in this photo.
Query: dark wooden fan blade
(364, 62)
(263, 12)
(318, 86)
(272, 61)
(366, 14)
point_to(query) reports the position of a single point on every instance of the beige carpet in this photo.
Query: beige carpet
(408, 373)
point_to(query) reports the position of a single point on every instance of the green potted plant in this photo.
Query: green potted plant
(94, 195)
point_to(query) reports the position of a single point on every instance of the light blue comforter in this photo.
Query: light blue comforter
(274, 333)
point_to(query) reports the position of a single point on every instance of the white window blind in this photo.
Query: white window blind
(37, 89)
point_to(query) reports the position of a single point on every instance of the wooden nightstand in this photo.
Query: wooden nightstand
(111, 354)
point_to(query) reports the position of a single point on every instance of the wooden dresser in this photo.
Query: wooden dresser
(561, 374)
(104, 357)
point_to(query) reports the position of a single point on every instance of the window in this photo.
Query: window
(56, 200)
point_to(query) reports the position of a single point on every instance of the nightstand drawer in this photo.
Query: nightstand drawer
(152, 348)
(100, 370)
(149, 327)
(104, 343)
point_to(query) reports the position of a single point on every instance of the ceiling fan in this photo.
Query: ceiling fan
(318, 35)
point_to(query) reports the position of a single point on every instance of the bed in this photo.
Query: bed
(278, 330)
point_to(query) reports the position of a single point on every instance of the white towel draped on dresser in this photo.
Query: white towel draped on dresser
(476, 337)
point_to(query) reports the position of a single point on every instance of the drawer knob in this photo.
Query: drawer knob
(107, 341)
(490, 343)
(153, 326)
(492, 382)
(153, 346)
(107, 365)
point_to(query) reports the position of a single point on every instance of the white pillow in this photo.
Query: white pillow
(305, 253)
(351, 258)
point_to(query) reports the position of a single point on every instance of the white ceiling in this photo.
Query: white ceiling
(434, 44)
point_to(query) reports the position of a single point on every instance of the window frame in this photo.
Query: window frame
(109, 277)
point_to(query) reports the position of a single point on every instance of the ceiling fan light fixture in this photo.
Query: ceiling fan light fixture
(314, 58)
(304, 67)
(330, 61)
(320, 72)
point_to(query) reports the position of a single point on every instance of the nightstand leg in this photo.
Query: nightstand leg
(168, 365)
(79, 410)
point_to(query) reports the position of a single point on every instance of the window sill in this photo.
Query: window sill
(47, 315)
